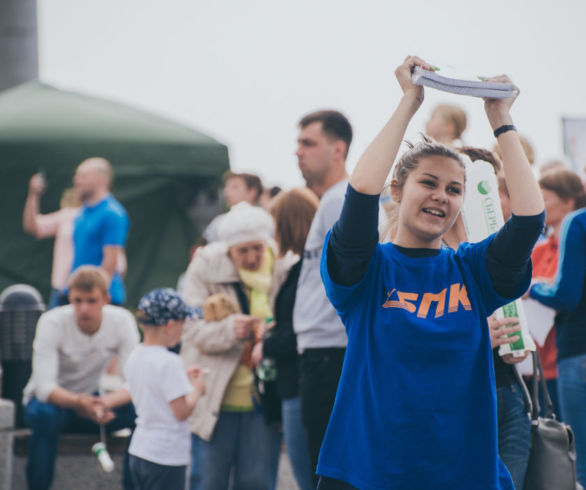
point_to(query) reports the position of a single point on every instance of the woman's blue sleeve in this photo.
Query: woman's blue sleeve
(566, 291)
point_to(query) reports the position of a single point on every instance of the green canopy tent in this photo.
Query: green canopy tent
(159, 167)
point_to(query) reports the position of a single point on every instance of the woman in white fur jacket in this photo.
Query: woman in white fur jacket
(229, 434)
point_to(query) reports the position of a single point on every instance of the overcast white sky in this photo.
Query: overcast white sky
(245, 71)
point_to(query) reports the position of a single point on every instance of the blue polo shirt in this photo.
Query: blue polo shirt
(416, 405)
(105, 223)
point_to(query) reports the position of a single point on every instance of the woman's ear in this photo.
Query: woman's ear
(396, 191)
(568, 204)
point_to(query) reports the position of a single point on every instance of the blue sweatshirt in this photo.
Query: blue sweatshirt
(416, 405)
(567, 294)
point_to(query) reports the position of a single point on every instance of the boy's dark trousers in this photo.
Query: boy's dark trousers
(152, 476)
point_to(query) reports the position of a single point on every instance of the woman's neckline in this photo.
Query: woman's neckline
(418, 252)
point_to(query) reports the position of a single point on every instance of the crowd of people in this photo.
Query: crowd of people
(349, 320)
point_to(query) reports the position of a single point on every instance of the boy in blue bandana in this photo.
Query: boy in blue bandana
(163, 392)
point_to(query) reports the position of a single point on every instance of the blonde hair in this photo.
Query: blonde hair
(389, 227)
(69, 199)
(453, 114)
(527, 149)
(410, 159)
(86, 277)
(293, 212)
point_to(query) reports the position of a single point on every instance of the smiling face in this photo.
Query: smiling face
(430, 201)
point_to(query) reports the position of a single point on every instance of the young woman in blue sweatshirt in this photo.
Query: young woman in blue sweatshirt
(415, 407)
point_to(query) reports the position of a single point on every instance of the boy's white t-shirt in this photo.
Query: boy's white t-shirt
(156, 377)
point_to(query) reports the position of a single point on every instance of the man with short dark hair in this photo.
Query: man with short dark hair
(101, 227)
(237, 188)
(322, 147)
(241, 187)
(73, 345)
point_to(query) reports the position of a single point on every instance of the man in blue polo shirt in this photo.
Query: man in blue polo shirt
(101, 227)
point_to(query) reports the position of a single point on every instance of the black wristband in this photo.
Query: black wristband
(503, 129)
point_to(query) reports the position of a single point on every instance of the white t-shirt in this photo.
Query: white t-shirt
(155, 378)
(63, 356)
(315, 320)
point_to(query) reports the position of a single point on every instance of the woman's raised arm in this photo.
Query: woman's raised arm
(526, 197)
(372, 169)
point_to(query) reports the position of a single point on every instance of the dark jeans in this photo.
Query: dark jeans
(47, 422)
(514, 432)
(320, 371)
(153, 476)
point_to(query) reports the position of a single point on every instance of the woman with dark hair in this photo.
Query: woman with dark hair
(563, 193)
(567, 295)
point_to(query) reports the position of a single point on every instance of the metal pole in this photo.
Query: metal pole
(18, 42)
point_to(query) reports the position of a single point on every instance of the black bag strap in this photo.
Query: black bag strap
(242, 298)
(539, 383)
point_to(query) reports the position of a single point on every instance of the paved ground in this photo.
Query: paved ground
(84, 473)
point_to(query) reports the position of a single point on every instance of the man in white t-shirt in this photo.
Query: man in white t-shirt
(72, 347)
(322, 147)
(164, 393)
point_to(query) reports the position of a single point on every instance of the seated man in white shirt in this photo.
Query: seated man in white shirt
(72, 347)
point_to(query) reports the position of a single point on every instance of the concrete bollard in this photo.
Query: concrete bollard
(6, 439)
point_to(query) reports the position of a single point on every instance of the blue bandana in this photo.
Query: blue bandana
(162, 305)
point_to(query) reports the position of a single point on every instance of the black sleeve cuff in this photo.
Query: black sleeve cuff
(508, 257)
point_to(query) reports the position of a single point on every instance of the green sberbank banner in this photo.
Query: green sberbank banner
(159, 166)
(482, 217)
